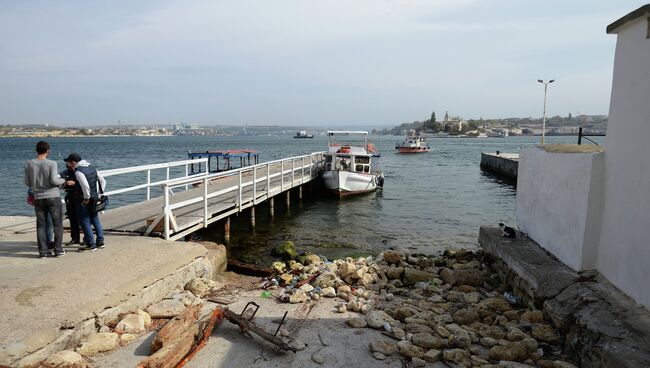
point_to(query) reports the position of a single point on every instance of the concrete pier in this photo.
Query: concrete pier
(84, 290)
(602, 326)
(501, 164)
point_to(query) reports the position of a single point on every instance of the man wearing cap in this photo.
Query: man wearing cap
(42, 176)
(71, 196)
(90, 183)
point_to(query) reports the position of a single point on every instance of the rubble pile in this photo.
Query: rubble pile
(449, 309)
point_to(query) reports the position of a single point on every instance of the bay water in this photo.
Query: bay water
(429, 202)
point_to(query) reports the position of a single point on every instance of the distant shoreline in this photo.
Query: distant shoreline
(82, 136)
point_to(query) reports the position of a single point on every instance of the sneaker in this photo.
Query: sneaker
(72, 242)
(42, 256)
(59, 255)
(87, 249)
(101, 245)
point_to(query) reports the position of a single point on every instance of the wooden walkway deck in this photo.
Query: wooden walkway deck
(200, 205)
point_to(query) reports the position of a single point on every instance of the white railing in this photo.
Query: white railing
(250, 176)
(148, 168)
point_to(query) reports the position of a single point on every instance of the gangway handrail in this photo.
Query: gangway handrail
(195, 180)
(148, 168)
(132, 169)
(264, 168)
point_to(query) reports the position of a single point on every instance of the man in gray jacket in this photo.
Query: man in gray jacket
(42, 176)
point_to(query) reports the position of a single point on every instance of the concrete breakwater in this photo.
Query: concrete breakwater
(502, 164)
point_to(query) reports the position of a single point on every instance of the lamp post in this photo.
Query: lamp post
(544, 117)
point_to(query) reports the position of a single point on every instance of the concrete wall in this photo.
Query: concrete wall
(559, 202)
(624, 253)
(504, 164)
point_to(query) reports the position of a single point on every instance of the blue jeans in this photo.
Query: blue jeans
(49, 229)
(87, 217)
(44, 208)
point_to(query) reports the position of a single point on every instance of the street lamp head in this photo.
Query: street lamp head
(540, 81)
(551, 81)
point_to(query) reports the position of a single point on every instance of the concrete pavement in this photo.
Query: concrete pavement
(39, 295)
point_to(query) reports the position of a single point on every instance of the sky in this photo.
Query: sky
(302, 62)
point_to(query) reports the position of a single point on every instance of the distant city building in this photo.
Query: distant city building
(453, 124)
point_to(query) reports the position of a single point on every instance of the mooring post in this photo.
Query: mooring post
(300, 191)
(253, 216)
(288, 197)
(271, 206)
(226, 229)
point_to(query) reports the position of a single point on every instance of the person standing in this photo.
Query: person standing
(42, 176)
(89, 183)
(71, 196)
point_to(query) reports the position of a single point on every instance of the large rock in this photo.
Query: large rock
(326, 279)
(494, 332)
(470, 276)
(395, 273)
(313, 259)
(376, 319)
(466, 316)
(347, 269)
(427, 340)
(402, 313)
(432, 355)
(355, 322)
(286, 251)
(533, 316)
(384, 347)
(393, 256)
(65, 359)
(514, 351)
(186, 297)
(495, 304)
(457, 356)
(545, 333)
(167, 308)
(98, 343)
(413, 276)
(200, 286)
(328, 292)
(145, 316)
(409, 350)
(131, 323)
(298, 296)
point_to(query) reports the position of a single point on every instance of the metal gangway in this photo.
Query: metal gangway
(197, 199)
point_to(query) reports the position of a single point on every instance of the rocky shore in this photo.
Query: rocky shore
(446, 311)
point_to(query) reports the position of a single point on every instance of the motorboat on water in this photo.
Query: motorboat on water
(303, 134)
(351, 167)
(413, 143)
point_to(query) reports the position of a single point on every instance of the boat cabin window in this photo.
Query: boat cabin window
(362, 164)
(345, 163)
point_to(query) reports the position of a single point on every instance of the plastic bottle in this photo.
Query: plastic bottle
(511, 298)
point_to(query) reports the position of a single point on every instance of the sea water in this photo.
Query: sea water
(430, 201)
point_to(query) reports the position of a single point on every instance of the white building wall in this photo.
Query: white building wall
(624, 252)
(559, 203)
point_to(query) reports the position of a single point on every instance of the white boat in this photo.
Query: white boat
(497, 133)
(351, 167)
(413, 143)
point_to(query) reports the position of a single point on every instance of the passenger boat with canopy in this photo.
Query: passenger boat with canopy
(351, 167)
(224, 159)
